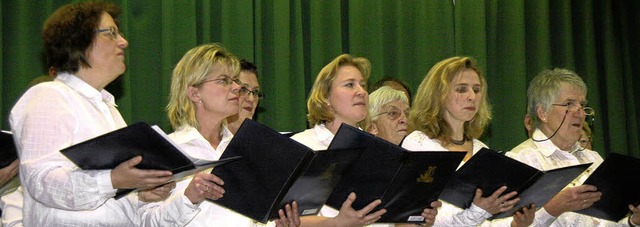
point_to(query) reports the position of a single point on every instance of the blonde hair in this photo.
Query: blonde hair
(427, 113)
(318, 103)
(192, 70)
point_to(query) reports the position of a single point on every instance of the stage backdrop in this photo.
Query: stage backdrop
(291, 40)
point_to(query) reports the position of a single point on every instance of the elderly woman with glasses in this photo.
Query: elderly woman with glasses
(388, 113)
(557, 105)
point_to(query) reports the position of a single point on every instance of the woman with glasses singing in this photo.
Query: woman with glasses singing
(82, 43)
(388, 112)
(205, 90)
(449, 113)
(248, 102)
(558, 107)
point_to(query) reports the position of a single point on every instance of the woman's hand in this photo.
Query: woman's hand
(429, 214)
(572, 199)
(156, 194)
(350, 217)
(525, 217)
(127, 176)
(204, 186)
(495, 203)
(635, 214)
(288, 217)
(9, 172)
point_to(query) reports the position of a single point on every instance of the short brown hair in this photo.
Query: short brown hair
(69, 31)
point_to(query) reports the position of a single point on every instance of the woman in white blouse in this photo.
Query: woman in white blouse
(339, 96)
(449, 113)
(557, 107)
(83, 44)
(205, 90)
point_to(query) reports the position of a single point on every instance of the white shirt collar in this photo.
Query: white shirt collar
(189, 133)
(323, 134)
(547, 147)
(86, 90)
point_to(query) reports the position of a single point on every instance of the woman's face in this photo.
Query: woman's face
(217, 96)
(585, 140)
(249, 101)
(569, 130)
(106, 53)
(348, 96)
(391, 124)
(465, 94)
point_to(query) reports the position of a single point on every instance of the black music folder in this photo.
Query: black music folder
(276, 170)
(613, 179)
(8, 151)
(158, 152)
(406, 182)
(490, 170)
(8, 154)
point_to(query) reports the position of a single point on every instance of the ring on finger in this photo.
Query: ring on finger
(501, 204)
(206, 188)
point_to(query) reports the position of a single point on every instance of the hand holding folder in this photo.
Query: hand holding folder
(276, 170)
(489, 170)
(158, 152)
(406, 182)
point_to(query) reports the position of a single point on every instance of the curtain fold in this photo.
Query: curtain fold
(291, 40)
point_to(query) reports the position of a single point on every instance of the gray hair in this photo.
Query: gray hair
(383, 96)
(543, 90)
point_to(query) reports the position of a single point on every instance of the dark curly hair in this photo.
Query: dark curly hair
(69, 31)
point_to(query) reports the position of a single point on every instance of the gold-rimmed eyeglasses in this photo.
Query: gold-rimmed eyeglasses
(226, 81)
(394, 113)
(574, 107)
(112, 32)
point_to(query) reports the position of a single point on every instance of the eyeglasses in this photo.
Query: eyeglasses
(112, 32)
(574, 107)
(394, 113)
(255, 93)
(224, 81)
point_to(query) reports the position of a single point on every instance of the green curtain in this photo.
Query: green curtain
(291, 40)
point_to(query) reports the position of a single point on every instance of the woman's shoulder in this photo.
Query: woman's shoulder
(303, 135)
(419, 141)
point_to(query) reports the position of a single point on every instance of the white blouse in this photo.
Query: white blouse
(54, 115)
(178, 210)
(545, 156)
